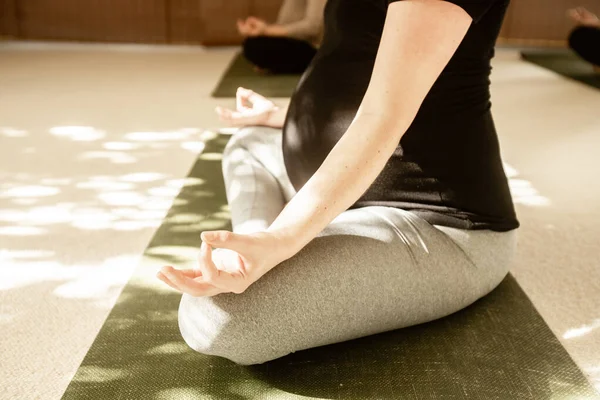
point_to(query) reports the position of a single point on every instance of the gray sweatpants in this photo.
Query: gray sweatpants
(373, 269)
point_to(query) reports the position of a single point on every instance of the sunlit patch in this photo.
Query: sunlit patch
(120, 323)
(210, 156)
(14, 274)
(509, 171)
(162, 316)
(142, 177)
(31, 191)
(105, 185)
(46, 215)
(157, 204)
(163, 191)
(12, 132)
(186, 182)
(202, 193)
(582, 330)
(56, 181)
(228, 131)
(208, 135)
(183, 393)
(112, 156)
(169, 348)
(522, 191)
(25, 202)
(194, 147)
(184, 218)
(134, 225)
(222, 215)
(90, 373)
(6, 255)
(91, 225)
(11, 215)
(159, 146)
(159, 136)
(205, 225)
(120, 146)
(98, 282)
(92, 219)
(242, 388)
(136, 214)
(174, 251)
(21, 230)
(78, 133)
(122, 198)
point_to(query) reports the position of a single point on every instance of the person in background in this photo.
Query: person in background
(289, 45)
(585, 38)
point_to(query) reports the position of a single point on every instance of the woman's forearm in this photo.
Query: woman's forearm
(342, 178)
(276, 118)
(276, 30)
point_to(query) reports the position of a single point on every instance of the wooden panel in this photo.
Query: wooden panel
(8, 18)
(185, 22)
(539, 21)
(266, 9)
(219, 18)
(137, 21)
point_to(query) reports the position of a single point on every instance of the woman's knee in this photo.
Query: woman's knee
(210, 330)
(247, 136)
(257, 50)
(584, 41)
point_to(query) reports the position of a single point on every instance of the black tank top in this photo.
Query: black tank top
(447, 167)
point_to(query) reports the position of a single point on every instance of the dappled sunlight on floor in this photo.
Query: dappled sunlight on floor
(95, 145)
(522, 190)
(582, 330)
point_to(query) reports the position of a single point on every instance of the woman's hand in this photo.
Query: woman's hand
(251, 26)
(252, 109)
(239, 261)
(584, 17)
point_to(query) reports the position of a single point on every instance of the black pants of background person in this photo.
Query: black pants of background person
(279, 55)
(585, 41)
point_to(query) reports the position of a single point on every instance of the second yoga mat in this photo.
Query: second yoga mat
(565, 63)
(241, 73)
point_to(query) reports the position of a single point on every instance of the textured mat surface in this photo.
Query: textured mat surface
(566, 63)
(498, 348)
(241, 73)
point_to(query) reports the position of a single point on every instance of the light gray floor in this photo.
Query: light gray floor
(95, 141)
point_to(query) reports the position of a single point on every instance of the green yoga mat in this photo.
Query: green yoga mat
(241, 73)
(498, 348)
(565, 63)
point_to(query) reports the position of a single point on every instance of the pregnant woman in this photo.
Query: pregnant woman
(377, 201)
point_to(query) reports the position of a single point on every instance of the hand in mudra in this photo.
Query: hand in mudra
(584, 17)
(251, 109)
(238, 261)
(251, 26)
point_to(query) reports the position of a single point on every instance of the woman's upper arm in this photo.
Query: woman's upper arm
(419, 38)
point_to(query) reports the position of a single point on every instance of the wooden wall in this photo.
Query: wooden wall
(131, 21)
(212, 22)
(541, 22)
